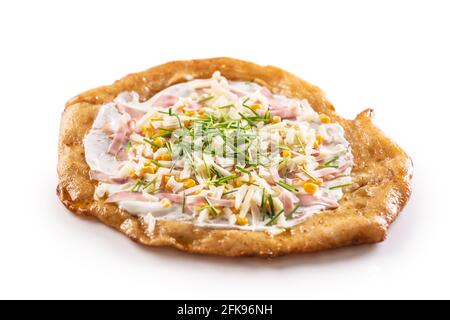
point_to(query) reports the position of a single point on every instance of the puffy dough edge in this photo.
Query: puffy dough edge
(382, 172)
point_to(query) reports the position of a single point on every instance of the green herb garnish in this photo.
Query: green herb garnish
(242, 170)
(206, 99)
(274, 218)
(340, 186)
(287, 186)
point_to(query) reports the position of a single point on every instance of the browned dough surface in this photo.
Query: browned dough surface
(381, 174)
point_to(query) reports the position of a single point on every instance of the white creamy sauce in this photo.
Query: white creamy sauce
(97, 142)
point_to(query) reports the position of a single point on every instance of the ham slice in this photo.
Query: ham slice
(103, 177)
(288, 199)
(134, 113)
(275, 175)
(165, 101)
(273, 104)
(310, 200)
(127, 126)
(124, 103)
(285, 112)
(331, 173)
(125, 196)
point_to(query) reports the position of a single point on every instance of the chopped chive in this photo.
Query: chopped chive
(151, 143)
(340, 186)
(272, 208)
(308, 174)
(148, 184)
(136, 185)
(211, 207)
(227, 106)
(328, 164)
(245, 101)
(183, 206)
(287, 186)
(243, 170)
(206, 99)
(289, 215)
(129, 145)
(229, 192)
(274, 218)
(253, 111)
(156, 163)
(166, 134)
(167, 130)
(154, 190)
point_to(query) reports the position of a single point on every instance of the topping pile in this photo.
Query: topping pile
(220, 154)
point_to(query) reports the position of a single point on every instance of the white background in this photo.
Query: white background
(392, 56)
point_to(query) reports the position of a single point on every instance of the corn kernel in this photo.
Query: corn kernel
(238, 183)
(255, 106)
(241, 220)
(286, 154)
(166, 203)
(316, 145)
(187, 123)
(169, 188)
(159, 141)
(319, 139)
(324, 118)
(201, 111)
(164, 157)
(149, 168)
(310, 187)
(276, 119)
(189, 183)
(165, 179)
(252, 180)
(189, 113)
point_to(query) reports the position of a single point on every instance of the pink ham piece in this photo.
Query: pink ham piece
(125, 196)
(285, 112)
(275, 175)
(195, 200)
(103, 177)
(127, 126)
(134, 113)
(273, 104)
(165, 101)
(288, 199)
(331, 173)
(123, 102)
(238, 93)
(310, 200)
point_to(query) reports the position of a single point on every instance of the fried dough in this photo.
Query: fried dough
(381, 174)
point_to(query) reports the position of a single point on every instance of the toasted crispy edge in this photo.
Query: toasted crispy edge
(367, 209)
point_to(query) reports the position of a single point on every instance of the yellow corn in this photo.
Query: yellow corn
(164, 157)
(201, 111)
(149, 168)
(276, 119)
(159, 141)
(241, 220)
(255, 106)
(238, 183)
(165, 179)
(166, 203)
(189, 183)
(187, 123)
(286, 154)
(319, 139)
(324, 118)
(189, 113)
(310, 187)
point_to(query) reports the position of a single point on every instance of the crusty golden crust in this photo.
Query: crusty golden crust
(381, 174)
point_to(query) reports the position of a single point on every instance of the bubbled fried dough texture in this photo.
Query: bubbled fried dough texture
(381, 173)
